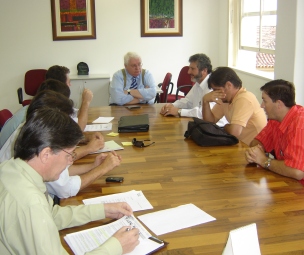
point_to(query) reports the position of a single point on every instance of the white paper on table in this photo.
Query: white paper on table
(88, 240)
(173, 219)
(109, 146)
(98, 127)
(136, 199)
(243, 240)
(103, 120)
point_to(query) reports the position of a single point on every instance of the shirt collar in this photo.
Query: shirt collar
(202, 84)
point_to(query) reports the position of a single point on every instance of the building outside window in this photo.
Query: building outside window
(253, 35)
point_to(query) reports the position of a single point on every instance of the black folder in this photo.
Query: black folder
(133, 123)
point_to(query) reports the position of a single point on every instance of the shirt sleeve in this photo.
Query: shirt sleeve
(194, 112)
(66, 186)
(241, 114)
(117, 90)
(186, 102)
(294, 152)
(149, 93)
(265, 137)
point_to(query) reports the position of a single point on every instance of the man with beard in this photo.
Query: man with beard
(240, 107)
(191, 106)
(283, 134)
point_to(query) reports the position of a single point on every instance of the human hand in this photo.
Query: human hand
(169, 109)
(111, 161)
(256, 154)
(96, 142)
(214, 96)
(128, 239)
(87, 96)
(117, 210)
(99, 159)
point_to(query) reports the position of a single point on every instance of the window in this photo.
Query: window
(253, 32)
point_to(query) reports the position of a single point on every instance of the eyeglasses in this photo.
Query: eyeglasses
(140, 144)
(73, 154)
(139, 65)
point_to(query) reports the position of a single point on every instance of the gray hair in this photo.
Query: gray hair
(130, 55)
(203, 61)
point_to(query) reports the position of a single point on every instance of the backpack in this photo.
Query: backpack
(205, 133)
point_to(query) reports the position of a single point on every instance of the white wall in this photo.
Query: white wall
(26, 41)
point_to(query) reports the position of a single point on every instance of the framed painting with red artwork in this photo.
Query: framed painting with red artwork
(73, 19)
(161, 17)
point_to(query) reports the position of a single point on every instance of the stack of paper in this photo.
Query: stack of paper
(98, 127)
(109, 146)
(88, 240)
(136, 199)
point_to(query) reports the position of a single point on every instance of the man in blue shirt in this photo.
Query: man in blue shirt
(132, 85)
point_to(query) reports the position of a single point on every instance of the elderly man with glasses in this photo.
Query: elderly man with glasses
(132, 85)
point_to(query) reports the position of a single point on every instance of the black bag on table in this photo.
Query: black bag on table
(205, 133)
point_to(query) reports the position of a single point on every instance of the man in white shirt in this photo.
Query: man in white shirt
(191, 106)
(29, 223)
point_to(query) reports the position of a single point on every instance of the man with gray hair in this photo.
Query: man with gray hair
(191, 106)
(132, 85)
(29, 223)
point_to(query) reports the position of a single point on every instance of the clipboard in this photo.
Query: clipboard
(155, 239)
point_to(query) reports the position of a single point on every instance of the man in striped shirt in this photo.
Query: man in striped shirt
(284, 133)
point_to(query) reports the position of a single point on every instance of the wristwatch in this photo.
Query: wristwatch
(179, 112)
(267, 163)
(128, 90)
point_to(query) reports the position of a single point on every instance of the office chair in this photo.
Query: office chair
(165, 86)
(5, 114)
(32, 81)
(184, 84)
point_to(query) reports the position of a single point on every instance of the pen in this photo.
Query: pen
(156, 240)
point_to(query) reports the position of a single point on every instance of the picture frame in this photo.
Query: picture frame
(75, 22)
(161, 18)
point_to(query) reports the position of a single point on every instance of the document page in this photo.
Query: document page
(136, 199)
(243, 240)
(88, 240)
(173, 219)
(109, 146)
(103, 120)
(98, 127)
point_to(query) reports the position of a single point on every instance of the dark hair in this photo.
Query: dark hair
(55, 85)
(46, 127)
(58, 73)
(50, 99)
(221, 75)
(203, 61)
(280, 90)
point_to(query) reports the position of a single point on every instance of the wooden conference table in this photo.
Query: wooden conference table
(176, 171)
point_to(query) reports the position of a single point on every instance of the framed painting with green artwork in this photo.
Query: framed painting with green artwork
(161, 17)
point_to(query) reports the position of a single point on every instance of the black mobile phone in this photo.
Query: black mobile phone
(114, 179)
(133, 107)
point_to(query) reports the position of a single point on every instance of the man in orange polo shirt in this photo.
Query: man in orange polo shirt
(240, 107)
(284, 133)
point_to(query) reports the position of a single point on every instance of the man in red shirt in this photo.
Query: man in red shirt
(284, 133)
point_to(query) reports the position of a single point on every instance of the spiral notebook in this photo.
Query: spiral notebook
(243, 240)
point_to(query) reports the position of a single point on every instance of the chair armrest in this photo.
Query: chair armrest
(20, 96)
(180, 87)
(171, 84)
